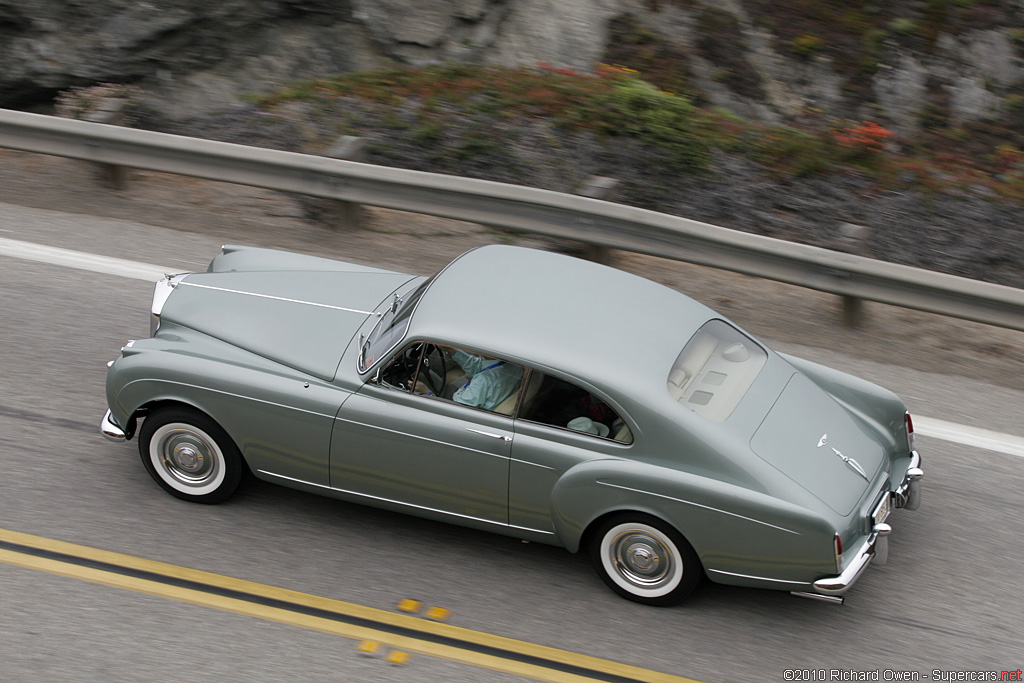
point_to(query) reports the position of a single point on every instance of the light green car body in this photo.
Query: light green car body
(267, 344)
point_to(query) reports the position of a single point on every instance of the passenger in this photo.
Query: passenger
(585, 424)
(490, 381)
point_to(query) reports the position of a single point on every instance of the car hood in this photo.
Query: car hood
(813, 440)
(304, 320)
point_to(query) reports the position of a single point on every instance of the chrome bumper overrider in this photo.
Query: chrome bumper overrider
(875, 547)
(908, 495)
(110, 429)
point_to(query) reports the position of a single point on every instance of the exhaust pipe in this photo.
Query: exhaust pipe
(833, 599)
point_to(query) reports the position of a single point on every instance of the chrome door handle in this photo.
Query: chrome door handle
(504, 438)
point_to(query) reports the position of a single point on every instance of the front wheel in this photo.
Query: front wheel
(643, 559)
(189, 455)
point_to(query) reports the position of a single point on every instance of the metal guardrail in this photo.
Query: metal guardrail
(522, 209)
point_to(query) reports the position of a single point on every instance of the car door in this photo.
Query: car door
(422, 450)
(559, 425)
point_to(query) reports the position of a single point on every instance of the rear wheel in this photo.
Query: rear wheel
(189, 455)
(643, 559)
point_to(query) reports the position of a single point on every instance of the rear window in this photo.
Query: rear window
(715, 369)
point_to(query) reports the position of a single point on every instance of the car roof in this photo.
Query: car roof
(603, 325)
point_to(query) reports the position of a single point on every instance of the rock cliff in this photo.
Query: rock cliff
(904, 62)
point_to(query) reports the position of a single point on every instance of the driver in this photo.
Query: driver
(490, 381)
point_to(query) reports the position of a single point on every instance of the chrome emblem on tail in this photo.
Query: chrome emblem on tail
(823, 440)
(852, 463)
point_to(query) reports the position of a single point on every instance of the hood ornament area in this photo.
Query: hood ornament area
(848, 460)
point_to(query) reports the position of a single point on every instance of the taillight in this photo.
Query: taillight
(838, 546)
(910, 433)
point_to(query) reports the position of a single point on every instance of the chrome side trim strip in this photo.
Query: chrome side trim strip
(276, 298)
(399, 502)
(526, 528)
(706, 507)
(535, 464)
(297, 481)
(228, 393)
(423, 438)
(759, 578)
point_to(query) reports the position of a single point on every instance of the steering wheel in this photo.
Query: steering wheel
(399, 372)
(434, 369)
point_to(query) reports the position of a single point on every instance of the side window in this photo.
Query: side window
(400, 373)
(561, 404)
(453, 374)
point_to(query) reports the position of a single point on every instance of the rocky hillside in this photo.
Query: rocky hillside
(903, 63)
(790, 118)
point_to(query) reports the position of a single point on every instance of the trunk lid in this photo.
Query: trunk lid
(808, 436)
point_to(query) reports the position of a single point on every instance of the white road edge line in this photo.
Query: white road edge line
(969, 436)
(96, 263)
(925, 426)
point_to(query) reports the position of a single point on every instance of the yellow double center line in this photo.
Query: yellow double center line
(315, 613)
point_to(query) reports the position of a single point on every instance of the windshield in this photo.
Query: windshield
(391, 327)
(715, 369)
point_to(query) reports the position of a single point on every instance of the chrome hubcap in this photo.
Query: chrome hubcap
(640, 558)
(188, 457)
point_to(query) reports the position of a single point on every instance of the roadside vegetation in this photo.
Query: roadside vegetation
(951, 206)
(469, 114)
(617, 103)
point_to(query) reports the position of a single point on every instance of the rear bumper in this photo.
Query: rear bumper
(875, 548)
(876, 541)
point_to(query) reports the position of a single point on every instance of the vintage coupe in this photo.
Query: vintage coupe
(524, 392)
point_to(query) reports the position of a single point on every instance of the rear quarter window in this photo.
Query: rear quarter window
(715, 369)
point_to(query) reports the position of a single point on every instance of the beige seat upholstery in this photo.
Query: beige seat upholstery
(624, 434)
(508, 406)
(676, 383)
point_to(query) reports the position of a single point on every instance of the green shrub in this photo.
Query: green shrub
(1017, 36)
(793, 152)
(873, 40)
(903, 26)
(806, 45)
(667, 121)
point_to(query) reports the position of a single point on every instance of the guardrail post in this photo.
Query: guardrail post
(109, 110)
(598, 187)
(346, 215)
(854, 237)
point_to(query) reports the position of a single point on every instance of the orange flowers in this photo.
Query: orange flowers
(866, 136)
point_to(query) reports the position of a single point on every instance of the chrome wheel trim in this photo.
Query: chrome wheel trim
(641, 560)
(187, 458)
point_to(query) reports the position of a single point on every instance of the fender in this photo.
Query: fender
(766, 536)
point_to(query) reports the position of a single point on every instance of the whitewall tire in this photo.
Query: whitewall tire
(189, 455)
(643, 559)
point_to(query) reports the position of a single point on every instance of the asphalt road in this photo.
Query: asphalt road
(950, 598)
